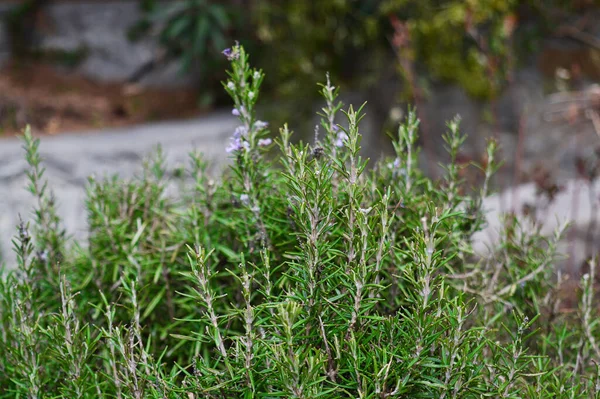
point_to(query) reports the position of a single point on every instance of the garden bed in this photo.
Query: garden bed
(55, 102)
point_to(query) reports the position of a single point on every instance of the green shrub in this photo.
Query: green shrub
(309, 277)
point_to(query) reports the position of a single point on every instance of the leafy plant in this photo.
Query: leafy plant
(193, 31)
(309, 277)
(192, 28)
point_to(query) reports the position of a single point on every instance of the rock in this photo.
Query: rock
(578, 203)
(534, 128)
(70, 159)
(100, 31)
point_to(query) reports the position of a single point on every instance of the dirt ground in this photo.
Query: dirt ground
(55, 102)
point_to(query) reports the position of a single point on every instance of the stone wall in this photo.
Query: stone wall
(98, 30)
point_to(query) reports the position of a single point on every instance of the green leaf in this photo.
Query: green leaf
(154, 303)
(220, 15)
(178, 26)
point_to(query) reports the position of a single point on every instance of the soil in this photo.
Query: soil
(54, 102)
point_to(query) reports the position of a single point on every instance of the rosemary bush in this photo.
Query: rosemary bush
(300, 276)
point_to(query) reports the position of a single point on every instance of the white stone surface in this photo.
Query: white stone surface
(71, 158)
(577, 204)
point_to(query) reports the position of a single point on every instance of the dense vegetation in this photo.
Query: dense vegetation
(307, 276)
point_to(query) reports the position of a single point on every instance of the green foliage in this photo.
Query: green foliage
(363, 44)
(312, 277)
(192, 29)
(469, 43)
(447, 40)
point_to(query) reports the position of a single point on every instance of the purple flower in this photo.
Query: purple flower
(335, 128)
(231, 53)
(245, 199)
(264, 142)
(396, 169)
(236, 145)
(341, 137)
(260, 125)
(240, 132)
(238, 140)
(238, 112)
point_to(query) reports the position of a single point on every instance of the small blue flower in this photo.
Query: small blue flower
(264, 142)
(240, 132)
(238, 140)
(230, 53)
(234, 146)
(260, 125)
(341, 137)
(238, 111)
(237, 144)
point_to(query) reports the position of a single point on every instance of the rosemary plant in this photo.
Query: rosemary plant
(304, 275)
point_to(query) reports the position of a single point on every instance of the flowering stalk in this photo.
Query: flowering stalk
(22, 345)
(351, 174)
(248, 140)
(334, 137)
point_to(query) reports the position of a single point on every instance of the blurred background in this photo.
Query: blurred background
(523, 72)
(104, 80)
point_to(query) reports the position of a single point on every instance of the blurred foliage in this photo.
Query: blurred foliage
(20, 22)
(460, 41)
(363, 44)
(307, 39)
(473, 43)
(464, 42)
(195, 31)
(189, 29)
